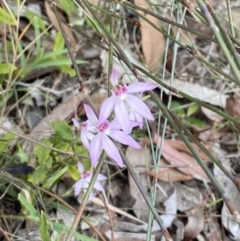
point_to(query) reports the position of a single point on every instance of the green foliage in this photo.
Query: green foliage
(32, 212)
(43, 154)
(73, 172)
(192, 109)
(4, 141)
(22, 155)
(6, 68)
(46, 224)
(68, 6)
(6, 17)
(58, 42)
(55, 177)
(187, 115)
(62, 130)
(44, 227)
(39, 176)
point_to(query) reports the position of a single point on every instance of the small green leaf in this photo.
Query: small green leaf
(63, 130)
(42, 153)
(39, 176)
(28, 206)
(177, 108)
(197, 122)
(68, 6)
(73, 172)
(55, 62)
(58, 42)
(44, 227)
(5, 98)
(6, 68)
(55, 176)
(37, 20)
(6, 17)
(50, 55)
(192, 109)
(4, 141)
(23, 156)
(68, 70)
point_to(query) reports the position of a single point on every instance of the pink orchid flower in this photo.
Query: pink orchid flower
(122, 101)
(88, 131)
(102, 139)
(83, 183)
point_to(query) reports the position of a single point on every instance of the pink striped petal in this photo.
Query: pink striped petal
(139, 106)
(114, 77)
(78, 186)
(91, 196)
(75, 123)
(80, 167)
(90, 114)
(140, 87)
(121, 113)
(124, 139)
(101, 177)
(95, 149)
(111, 150)
(84, 139)
(98, 186)
(106, 109)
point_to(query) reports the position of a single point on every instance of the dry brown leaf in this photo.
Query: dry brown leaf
(213, 116)
(212, 230)
(139, 157)
(233, 108)
(53, 19)
(153, 42)
(175, 157)
(187, 198)
(195, 223)
(181, 146)
(169, 174)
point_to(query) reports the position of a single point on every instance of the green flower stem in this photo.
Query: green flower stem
(224, 34)
(81, 81)
(106, 32)
(134, 7)
(188, 97)
(85, 198)
(235, 180)
(110, 55)
(145, 196)
(230, 18)
(219, 36)
(215, 183)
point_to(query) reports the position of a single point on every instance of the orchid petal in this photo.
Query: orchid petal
(136, 119)
(85, 184)
(114, 125)
(124, 139)
(139, 106)
(101, 177)
(111, 150)
(121, 113)
(106, 109)
(90, 114)
(98, 186)
(84, 139)
(90, 196)
(95, 149)
(140, 87)
(78, 186)
(114, 77)
(80, 167)
(75, 123)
